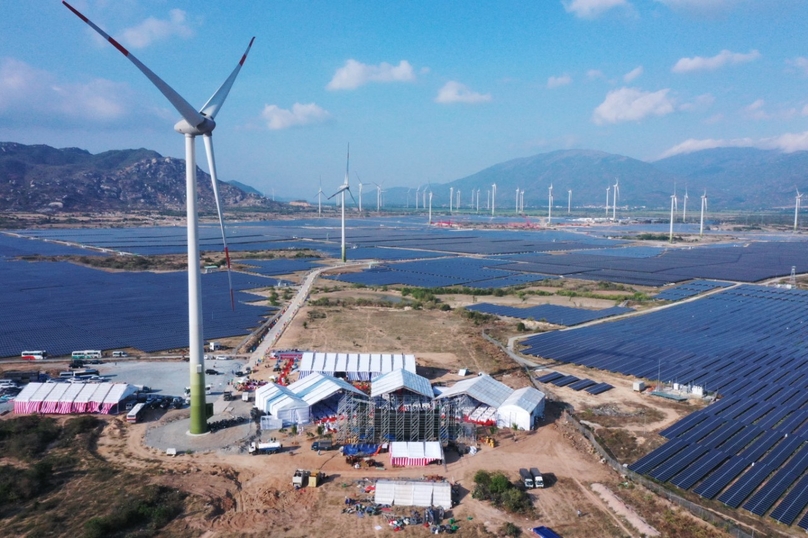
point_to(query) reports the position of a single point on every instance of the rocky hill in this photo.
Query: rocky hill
(42, 178)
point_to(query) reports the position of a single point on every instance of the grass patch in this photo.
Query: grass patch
(146, 511)
(501, 492)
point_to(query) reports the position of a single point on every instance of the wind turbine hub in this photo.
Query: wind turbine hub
(206, 127)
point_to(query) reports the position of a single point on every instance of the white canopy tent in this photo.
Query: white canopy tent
(414, 493)
(523, 408)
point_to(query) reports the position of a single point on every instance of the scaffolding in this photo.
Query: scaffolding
(399, 416)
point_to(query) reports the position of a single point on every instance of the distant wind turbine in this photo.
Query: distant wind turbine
(193, 123)
(359, 182)
(569, 201)
(517, 200)
(550, 205)
(493, 198)
(341, 191)
(674, 206)
(684, 206)
(430, 206)
(417, 194)
(320, 199)
(608, 190)
(451, 198)
(797, 205)
(615, 194)
(703, 207)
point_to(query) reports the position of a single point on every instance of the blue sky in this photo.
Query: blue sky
(423, 91)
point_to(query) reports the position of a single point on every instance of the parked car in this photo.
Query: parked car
(211, 371)
(223, 357)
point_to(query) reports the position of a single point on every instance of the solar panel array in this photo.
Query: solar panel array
(749, 344)
(690, 289)
(280, 266)
(558, 315)
(60, 307)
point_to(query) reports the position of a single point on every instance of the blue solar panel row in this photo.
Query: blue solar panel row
(600, 388)
(690, 289)
(550, 377)
(557, 315)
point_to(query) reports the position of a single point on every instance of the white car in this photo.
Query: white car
(223, 357)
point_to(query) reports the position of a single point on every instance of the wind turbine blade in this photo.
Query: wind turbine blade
(343, 187)
(352, 197)
(183, 107)
(212, 166)
(211, 108)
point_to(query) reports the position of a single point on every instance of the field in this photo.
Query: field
(109, 469)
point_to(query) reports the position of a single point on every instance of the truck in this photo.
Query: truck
(538, 481)
(527, 478)
(300, 478)
(322, 444)
(271, 447)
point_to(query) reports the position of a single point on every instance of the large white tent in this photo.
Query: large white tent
(293, 404)
(413, 493)
(354, 366)
(523, 408)
(282, 403)
(64, 398)
(415, 453)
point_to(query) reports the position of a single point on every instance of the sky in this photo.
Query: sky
(423, 91)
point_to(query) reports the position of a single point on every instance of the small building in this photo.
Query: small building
(524, 408)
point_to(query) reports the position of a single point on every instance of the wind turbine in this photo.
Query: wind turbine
(378, 197)
(417, 194)
(550, 206)
(493, 198)
(703, 207)
(451, 198)
(457, 205)
(341, 191)
(359, 181)
(430, 206)
(569, 200)
(517, 200)
(522, 201)
(320, 199)
(608, 189)
(797, 205)
(674, 206)
(487, 199)
(615, 194)
(193, 123)
(684, 206)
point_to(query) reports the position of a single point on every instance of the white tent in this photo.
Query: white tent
(354, 366)
(523, 408)
(412, 493)
(282, 403)
(415, 454)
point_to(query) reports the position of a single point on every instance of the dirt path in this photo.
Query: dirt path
(620, 508)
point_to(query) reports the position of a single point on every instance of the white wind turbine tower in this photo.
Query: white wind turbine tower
(359, 182)
(674, 206)
(478, 200)
(457, 205)
(320, 199)
(341, 191)
(684, 206)
(451, 198)
(797, 205)
(615, 194)
(430, 206)
(569, 201)
(608, 190)
(193, 123)
(517, 200)
(522, 201)
(487, 199)
(493, 198)
(417, 194)
(550, 205)
(703, 207)
(378, 197)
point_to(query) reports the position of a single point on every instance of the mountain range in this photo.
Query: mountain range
(733, 178)
(42, 178)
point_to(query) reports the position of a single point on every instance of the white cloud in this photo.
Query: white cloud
(801, 63)
(755, 110)
(280, 118)
(555, 82)
(805, 110)
(152, 30)
(702, 102)
(455, 92)
(632, 104)
(36, 96)
(699, 63)
(589, 9)
(592, 74)
(634, 73)
(787, 143)
(354, 74)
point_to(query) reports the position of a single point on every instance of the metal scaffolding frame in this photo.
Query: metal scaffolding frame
(400, 416)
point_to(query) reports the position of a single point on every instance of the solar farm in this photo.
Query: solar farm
(722, 333)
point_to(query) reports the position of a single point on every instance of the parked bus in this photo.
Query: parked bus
(34, 355)
(136, 413)
(87, 354)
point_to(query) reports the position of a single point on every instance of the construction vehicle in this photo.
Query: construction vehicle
(322, 444)
(538, 481)
(300, 478)
(527, 478)
(271, 447)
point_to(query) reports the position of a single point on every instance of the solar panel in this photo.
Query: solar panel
(547, 378)
(676, 464)
(657, 457)
(564, 381)
(718, 480)
(699, 469)
(582, 384)
(600, 388)
(765, 498)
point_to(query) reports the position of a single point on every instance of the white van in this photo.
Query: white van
(118, 354)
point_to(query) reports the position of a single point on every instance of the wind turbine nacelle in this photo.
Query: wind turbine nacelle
(206, 127)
